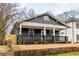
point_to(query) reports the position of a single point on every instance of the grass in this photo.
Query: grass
(76, 53)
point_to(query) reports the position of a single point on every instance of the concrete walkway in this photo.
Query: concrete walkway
(42, 46)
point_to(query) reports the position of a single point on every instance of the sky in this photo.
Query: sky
(55, 8)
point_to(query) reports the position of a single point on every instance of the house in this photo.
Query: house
(40, 28)
(73, 31)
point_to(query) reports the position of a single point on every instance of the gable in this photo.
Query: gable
(40, 19)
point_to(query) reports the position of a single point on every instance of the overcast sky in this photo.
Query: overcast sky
(55, 8)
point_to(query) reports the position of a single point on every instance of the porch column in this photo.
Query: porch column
(54, 34)
(44, 35)
(20, 32)
(44, 31)
(53, 31)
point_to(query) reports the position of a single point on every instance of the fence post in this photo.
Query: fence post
(54, 39)
(43, 40)
(66, 39)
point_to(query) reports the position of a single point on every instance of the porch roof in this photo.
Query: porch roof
(40, 25)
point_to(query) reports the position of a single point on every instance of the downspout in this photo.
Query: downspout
(72, 32)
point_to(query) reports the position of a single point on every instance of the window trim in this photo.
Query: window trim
(77, 25)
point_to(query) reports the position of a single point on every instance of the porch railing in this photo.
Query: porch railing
(23, 39)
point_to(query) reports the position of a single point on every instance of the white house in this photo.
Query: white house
(73, 31)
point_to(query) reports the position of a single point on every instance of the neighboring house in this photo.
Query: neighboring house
(73, 31)
(43, 27)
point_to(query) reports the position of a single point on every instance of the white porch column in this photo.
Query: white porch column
(65, 31)
(44, 31)
(53, 31)
(54, 34)
(20, 32)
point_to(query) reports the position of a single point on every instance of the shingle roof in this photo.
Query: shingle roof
(46, 13)
(72, 19)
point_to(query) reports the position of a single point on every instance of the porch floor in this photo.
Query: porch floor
(42, 46)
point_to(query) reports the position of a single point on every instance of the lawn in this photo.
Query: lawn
(76, 53)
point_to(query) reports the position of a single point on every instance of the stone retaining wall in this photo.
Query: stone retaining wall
(43, 52)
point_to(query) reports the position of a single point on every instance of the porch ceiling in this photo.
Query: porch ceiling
(41, 26)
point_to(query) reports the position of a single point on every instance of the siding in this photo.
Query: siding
(75, 31)
(69, 32)
(41, 20)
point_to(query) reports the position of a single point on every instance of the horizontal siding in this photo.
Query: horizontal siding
(41, 20)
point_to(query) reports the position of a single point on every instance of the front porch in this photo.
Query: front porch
(24, 39)
(41, 33)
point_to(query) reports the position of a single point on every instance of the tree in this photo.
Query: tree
(7, 12)
(31, 13)
(66, 15)
(24, 13)
(10, 13)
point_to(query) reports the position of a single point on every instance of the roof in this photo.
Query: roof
(46, 13)
(72, 19)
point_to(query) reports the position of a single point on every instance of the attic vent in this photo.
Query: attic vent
(46, 18)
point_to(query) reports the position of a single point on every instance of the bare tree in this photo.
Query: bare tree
(68, 14)
(10, 13)
(24, 13)
(31, 13)
(7, 12)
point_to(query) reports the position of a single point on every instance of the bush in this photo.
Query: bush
(2, 36)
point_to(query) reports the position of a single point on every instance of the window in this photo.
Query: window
(77, 25)
(77, 36)
(31, 33)
(46, 18)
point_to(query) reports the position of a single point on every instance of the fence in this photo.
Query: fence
(23, 39)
